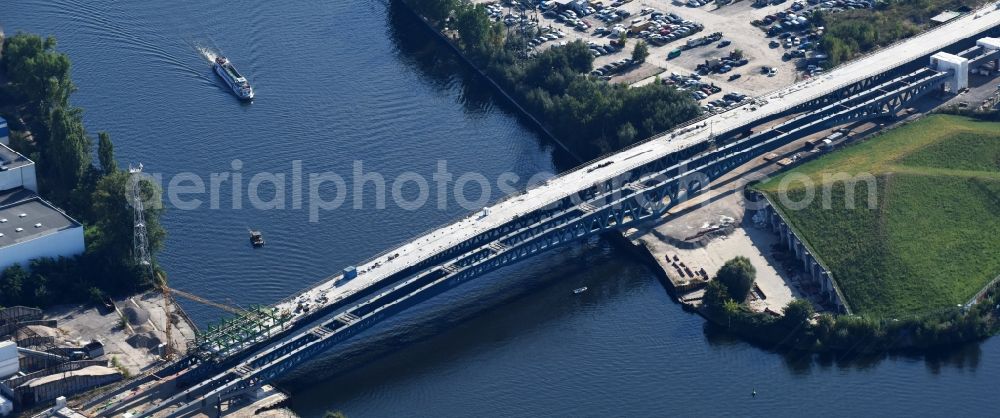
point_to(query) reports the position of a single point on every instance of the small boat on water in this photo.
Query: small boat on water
(256, 239)
(579, 290)
(239, 84)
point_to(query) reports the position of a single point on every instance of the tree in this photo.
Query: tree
(825, 326)
(737, 54)
(106, 153)
(626, 133)
(640, 52)
(715, 295)
(37, 291)
(65, 154)
(111, 238)
(798, 312)
(732, 309)
(12, 282)
(38, 73)
(738, 276)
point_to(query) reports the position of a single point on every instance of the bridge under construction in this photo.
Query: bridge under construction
(615, 192)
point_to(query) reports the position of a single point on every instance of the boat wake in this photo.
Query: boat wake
(208, 53)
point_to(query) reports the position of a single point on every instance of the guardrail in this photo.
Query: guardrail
(982, 292)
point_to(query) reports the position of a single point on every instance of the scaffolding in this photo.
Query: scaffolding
(233, 334)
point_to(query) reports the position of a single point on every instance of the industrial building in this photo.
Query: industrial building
(31, 227)
(37, 364)
(16, 170)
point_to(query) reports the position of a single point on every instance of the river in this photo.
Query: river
(343, 82)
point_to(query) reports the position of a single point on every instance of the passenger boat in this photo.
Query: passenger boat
(256, 239)
(579, 290)
(236, 82)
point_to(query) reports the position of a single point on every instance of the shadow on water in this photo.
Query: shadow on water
(962, 357)
(438, 63)
(462, 322)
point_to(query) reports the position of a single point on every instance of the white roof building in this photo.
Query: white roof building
(31, 227)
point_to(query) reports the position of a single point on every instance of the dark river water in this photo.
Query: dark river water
(341, 83)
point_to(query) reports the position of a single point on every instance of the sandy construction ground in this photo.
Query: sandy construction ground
(79, 325)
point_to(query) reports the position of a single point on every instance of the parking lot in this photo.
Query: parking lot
(680, 39)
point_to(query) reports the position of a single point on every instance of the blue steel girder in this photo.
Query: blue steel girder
(892, 101)
(983, 57)
(847, 91)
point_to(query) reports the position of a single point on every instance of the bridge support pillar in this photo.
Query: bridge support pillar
(958, 66)
(991, 44)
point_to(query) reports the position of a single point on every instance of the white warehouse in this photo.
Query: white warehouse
(31, 228)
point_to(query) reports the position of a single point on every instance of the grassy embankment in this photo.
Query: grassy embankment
(932, 240)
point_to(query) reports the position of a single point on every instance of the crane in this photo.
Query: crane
(199, 299)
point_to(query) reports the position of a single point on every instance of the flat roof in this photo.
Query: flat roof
(17, 202)
(945, 16)
(10, 159)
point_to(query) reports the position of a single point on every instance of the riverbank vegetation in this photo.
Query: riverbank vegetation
(800, 328)
(50, 131)
(588, 115)
(854, 32)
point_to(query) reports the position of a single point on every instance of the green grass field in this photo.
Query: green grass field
(932, 236)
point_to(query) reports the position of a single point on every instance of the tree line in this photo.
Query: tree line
(589, 115)
(95, 193)
(800, 328)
